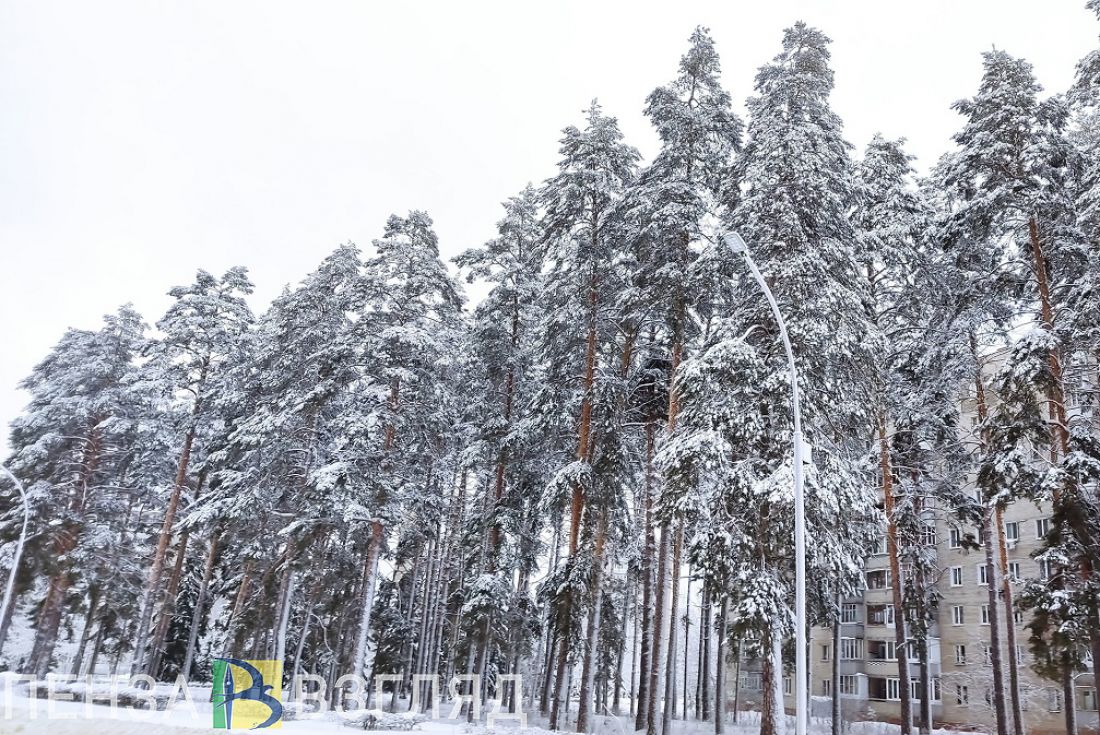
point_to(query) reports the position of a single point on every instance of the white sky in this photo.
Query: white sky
(140, 141)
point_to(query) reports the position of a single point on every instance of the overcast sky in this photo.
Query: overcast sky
(141, 141)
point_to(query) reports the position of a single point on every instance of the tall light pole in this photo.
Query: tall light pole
(738, 246)
(19, 547)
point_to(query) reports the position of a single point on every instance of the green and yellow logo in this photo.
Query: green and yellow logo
(247, 694)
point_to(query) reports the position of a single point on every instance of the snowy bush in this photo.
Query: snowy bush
(376, 719)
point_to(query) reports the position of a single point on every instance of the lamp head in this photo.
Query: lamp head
(735, 243)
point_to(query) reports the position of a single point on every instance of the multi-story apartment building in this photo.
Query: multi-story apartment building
(959, 658)
(959, 650)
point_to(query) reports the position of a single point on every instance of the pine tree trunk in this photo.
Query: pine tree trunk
(565, 614)
(515, 701)
(49, 622)
(551, 628)
(584, 713)
(670, 666)
(897, 581)
(720, 669)
(450, 598)
(50, 614)
(658, 629)
(423, 645)
(642, 706)
(5, 619)
(777, 682)
(1069, 704)
(925, 687)
(1010, 627)
(307, 620)
(674, 571)
(168, 607)
(1059, 430)
(704, 664)
(628, 612)
(149, 599)
(200, 604)
(769, 709)
(990, 567)
(89, 620)
(97, 644)
(289, 585)
(994, 627)
(687, 643)
(370, 576)
(836, 708)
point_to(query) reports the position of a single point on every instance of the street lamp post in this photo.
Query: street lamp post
(738, 246)
(19, 547)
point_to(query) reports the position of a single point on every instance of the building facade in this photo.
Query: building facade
(959, 646)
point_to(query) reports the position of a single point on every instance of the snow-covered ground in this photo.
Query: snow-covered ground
(24, 716)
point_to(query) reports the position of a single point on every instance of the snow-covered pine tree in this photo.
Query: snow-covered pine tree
(410, 331)
(978, 281)
(667, 209)
(71, 450)
(584, 244)
(796, 191)
(277, 490)
(202, 331)
(1015, 166)
(910, 415)
(502, 351)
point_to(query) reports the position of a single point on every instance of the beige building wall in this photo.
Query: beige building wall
(960, 634)
(959, 656)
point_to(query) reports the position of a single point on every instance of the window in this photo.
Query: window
(988, 651)
(958, 617)
(1019, 654)
(751, 681)
(881, 650)
(851, 649)
(1014, 571)
(880, 614)
(849, 613)
(826, 687)
(956, 576)
(1012, 531)
(962, 695)
(960, 655)
(915, 690)
(787, 685)
(879, 687)
(1086, 700)
(1018, 616)
(1046, 570)
(849, 685)
(983, 574)
(1042, 528)
(916, 693)
(880, 546)
(879, 579)
(1054, 700)
(826, 650)
(985, 614)
(956, 539)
